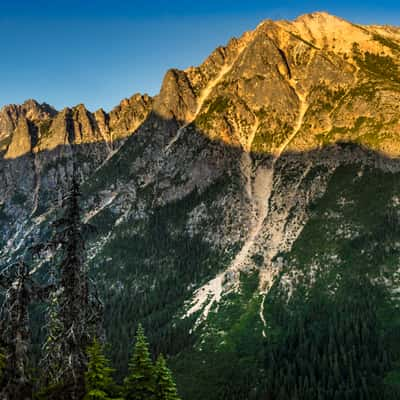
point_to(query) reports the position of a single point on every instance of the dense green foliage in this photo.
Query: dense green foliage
(157, 247)
(146, 381)
(140, 383)
(228, 363)
(98, 378)
(165, 385)
(330, 347)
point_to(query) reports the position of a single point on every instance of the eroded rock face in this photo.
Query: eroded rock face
(21, 142)
(124, 119)
(10, 116)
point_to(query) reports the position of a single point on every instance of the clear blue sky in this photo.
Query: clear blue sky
(99, 51)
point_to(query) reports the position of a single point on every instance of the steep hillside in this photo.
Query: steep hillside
(37, 144)
(255, 186)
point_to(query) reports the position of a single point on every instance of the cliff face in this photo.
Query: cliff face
(10, 118)
(263, 168)
(50, 128)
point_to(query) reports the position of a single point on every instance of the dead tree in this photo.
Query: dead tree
(20, 291)
(75, 311)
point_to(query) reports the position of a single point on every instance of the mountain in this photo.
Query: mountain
(250, 209)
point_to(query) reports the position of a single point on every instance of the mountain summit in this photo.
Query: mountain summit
(238, 210)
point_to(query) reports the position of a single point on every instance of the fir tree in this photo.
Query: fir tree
(98, 380)
(140, 383)
(165, 385)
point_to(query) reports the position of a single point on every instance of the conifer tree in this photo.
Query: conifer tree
(140, 383)
(165, 385)
(98, 380)
(75, 312)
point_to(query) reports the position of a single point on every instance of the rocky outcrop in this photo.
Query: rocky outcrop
(70, 126)
(10, 116)
(21, 141)
(124, 119)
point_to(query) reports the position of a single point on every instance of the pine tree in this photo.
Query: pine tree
(98, 381)
(140, 383)
(165, 385)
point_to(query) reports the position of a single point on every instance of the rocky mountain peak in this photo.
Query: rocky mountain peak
(281, 74)
(34, 110)
(320, 18)
(21, 142)
(30, 110)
